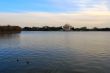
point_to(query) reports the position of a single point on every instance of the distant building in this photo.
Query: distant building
(66, 27)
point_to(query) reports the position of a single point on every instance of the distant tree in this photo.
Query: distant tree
(95, 29)
(83, 28)
(10, 29)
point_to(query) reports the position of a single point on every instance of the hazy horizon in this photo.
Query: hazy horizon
(89, 13)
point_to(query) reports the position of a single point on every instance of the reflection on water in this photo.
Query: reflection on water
(5, 36)
(55, 52)
(9, 40)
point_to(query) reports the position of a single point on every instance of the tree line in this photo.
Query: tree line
(17, 29)
(60, 28)
(10, 29)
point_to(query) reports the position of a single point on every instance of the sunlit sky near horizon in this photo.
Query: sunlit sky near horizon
(78, 13)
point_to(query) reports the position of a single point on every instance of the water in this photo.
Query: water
(55, 52)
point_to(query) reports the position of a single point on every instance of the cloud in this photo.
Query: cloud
(90, 13)
(55, 19)
(80, 5)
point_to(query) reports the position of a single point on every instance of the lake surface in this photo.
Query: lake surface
(55, 52)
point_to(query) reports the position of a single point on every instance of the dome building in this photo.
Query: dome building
(66, 27)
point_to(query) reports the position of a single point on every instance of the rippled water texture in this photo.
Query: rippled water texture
(55, 52)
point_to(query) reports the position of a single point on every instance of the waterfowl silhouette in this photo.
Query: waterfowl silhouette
(17, 60)
(27, 62)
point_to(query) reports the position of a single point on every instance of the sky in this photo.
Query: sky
(78, 13)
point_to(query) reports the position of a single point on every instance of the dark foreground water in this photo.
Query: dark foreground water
(55, 52)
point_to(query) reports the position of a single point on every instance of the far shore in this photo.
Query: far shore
(17, 29)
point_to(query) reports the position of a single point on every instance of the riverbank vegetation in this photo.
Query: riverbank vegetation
(64, 28)
(10, 29)
(18, 29)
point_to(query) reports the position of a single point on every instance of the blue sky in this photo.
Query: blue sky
(78, 13)
(37, 6)
(48, 5)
